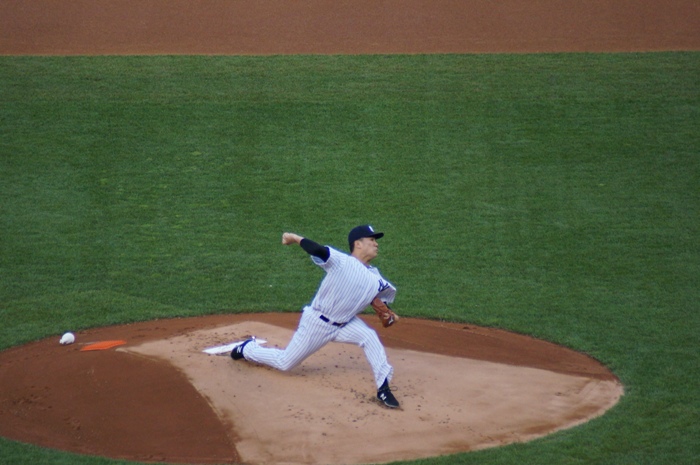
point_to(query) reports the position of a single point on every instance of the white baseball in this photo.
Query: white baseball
(68, 338)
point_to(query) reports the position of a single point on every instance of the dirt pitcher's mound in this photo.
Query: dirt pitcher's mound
(160, 398)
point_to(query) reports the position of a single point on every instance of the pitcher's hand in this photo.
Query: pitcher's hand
(291, 238)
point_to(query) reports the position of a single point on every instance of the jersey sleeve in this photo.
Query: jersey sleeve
(388, 294)
(334, 258)
(386, 290)
(315, 249)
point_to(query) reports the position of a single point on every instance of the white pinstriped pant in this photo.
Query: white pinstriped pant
(314, 333)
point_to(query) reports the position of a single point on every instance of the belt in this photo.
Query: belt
(324, 318)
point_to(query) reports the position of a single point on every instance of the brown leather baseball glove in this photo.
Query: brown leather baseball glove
(386, 315)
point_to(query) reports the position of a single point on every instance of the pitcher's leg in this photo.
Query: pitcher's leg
(309, 337)
(357, 332)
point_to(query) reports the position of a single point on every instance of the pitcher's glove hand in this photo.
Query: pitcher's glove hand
(386, 315)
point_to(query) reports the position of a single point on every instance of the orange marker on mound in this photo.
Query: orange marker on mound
(104, 345)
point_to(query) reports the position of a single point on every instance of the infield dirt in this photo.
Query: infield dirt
(160, 398)
(252, 27)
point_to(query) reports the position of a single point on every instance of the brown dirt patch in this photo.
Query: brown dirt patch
(253, 27)
(159, 398)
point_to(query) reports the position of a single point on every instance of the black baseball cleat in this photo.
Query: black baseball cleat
(386, 397)
(237, 352)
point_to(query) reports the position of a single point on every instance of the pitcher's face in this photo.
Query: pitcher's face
(366, 249)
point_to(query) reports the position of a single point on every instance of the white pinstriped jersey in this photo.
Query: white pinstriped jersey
(348, 287)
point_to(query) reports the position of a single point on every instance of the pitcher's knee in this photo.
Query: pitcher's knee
(286, 364)
(371, 339)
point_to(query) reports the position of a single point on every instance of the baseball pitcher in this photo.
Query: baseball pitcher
(350, 285)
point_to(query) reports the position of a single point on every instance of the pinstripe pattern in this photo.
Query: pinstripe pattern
(346, 290)
(312, 334)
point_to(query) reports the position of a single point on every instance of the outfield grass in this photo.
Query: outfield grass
(553, 195)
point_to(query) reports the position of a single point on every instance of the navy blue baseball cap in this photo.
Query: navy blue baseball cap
(362, 231)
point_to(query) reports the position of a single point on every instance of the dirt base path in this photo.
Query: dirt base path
(160, 398)
(253, 27)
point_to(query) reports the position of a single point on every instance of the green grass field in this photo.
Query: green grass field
(553, 195)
